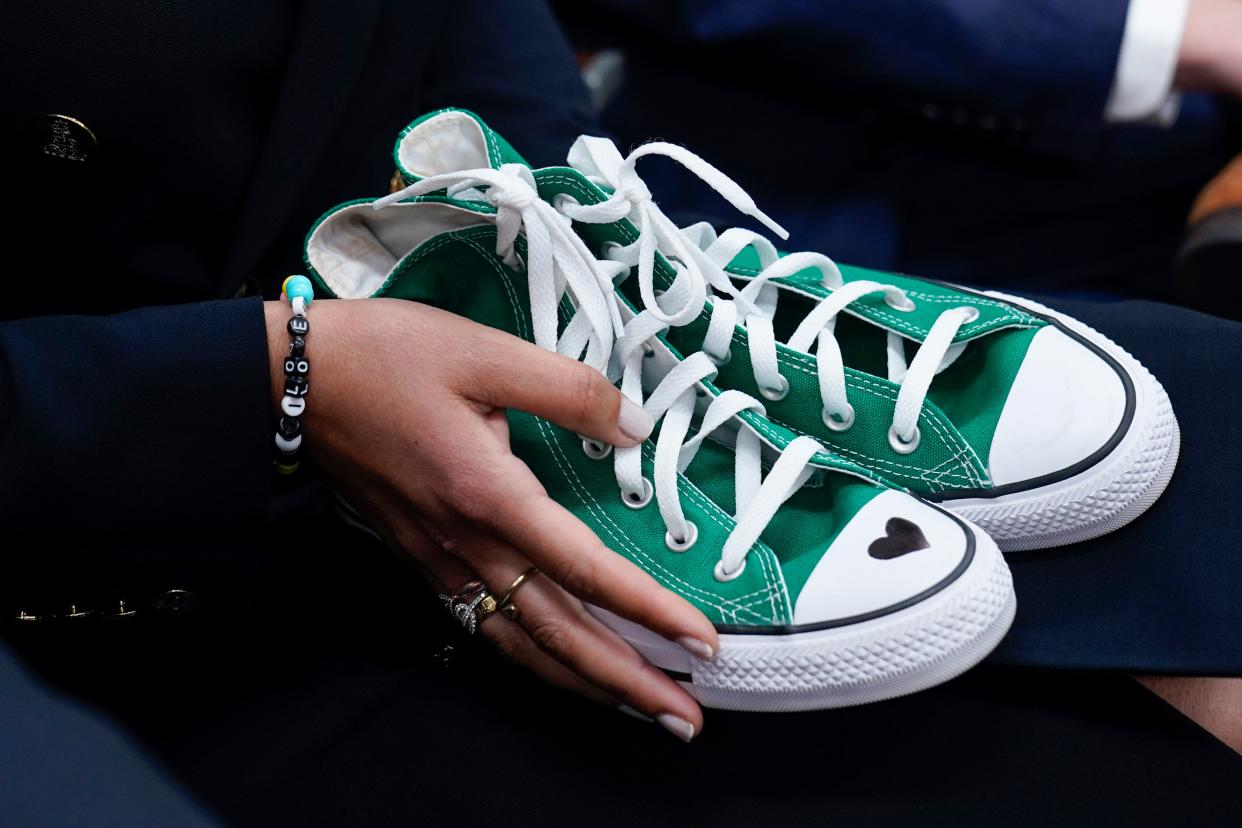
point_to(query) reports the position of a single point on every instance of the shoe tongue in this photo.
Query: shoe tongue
(450, 140)
(597, 159)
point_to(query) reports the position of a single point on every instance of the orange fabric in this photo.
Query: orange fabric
(1223, 191)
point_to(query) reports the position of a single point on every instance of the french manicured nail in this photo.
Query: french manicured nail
(633, 421)
(696, 648)
(677, 726)
(629, 711)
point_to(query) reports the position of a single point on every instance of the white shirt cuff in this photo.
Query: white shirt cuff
(1143, 86)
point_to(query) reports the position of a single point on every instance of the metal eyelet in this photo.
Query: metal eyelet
(724, 577)
(836, 422)
(903, 446)
(721, 361)
(905, 304)
(776, 394)
(596, 451)
(682, 544)
(637, 500)
(972, 313)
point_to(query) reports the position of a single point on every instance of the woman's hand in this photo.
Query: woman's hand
(407, 415)
(1211, 52)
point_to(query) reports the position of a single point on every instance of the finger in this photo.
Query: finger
(511, 373)
(560, 626)
(567, 551)
(513, 644)
(448, 574)
(560, 642)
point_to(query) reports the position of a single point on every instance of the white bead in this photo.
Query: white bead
(293, 406)
(288, 445)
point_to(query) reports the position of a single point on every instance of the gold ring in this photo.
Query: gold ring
(507, 607)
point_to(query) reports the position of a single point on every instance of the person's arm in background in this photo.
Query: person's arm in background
(1041, 69)
(1143, 88)
(1176, 45)
(1210, 52)
(1057, 70)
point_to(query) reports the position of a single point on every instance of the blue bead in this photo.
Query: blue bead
(299, 286)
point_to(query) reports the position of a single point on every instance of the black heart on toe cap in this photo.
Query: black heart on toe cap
(901, 538)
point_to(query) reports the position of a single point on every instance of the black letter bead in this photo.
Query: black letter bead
(296, 367)
(290, 427)
(298, 346)
(296, 386)
(299, 326)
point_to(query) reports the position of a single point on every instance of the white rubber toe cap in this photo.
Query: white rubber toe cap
(894, 551)
(1066, 403)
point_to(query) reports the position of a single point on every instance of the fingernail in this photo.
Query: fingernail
(629, 711)
(677, 726)
(696, 648)
(633, 421)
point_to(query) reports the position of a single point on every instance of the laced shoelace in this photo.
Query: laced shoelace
(700, 257)
(558, 265)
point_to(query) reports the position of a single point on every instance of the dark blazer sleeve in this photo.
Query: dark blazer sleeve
(1043, 66)
(134, 457)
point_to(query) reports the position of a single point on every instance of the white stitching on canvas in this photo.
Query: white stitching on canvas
(815, 291)
(711, 510)
(944, 431)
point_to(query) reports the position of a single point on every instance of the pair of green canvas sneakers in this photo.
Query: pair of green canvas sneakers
(840, 454)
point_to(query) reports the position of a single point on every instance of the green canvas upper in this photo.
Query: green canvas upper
(962, 409)
(458, 270)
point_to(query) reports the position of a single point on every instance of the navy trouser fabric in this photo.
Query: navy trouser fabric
(353, 700)
(1164, 594)
(62, 765)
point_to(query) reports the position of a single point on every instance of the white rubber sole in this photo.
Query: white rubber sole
(1102, 498)
(895, 655)
(884, 658)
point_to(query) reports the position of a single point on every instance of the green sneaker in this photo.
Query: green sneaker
(828, 587)
(1024, 421)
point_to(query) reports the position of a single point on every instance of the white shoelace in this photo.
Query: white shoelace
(560, 264)
(700, 258)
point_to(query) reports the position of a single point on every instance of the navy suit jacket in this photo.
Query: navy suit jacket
(1041, 66)
(135, 432)
(959, 139)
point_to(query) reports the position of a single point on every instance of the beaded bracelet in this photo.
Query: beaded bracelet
(299, 292)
